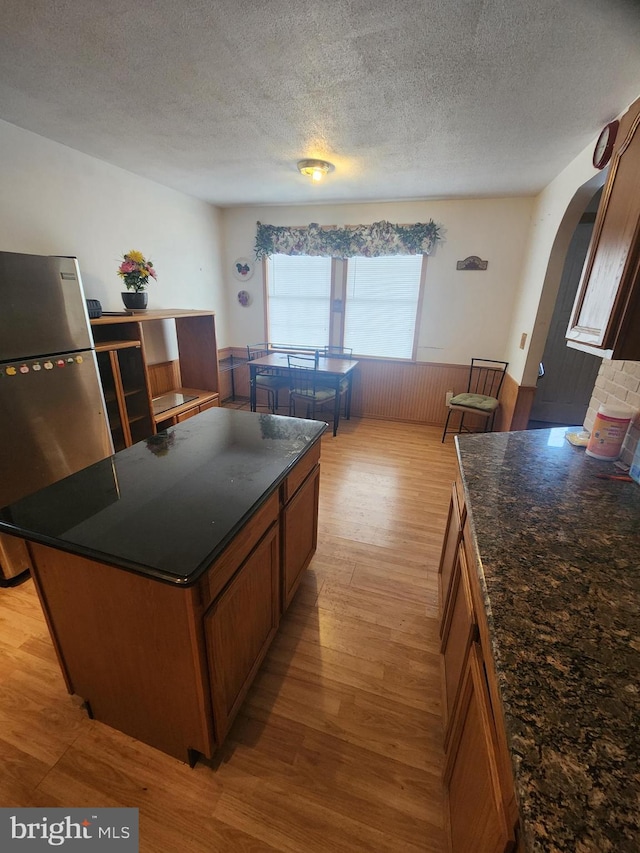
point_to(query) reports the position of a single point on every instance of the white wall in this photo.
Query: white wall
(556, 213)
(465, 314)
(57, 201)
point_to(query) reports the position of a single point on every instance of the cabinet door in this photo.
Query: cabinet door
(449, 554)
(475, 807)
(239, 627)
(125, 391)
(606, 313)
(299, 534)
(458, 631)
(136, 395)
(114, 398)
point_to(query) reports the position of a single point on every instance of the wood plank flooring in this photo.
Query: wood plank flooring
(338, 745)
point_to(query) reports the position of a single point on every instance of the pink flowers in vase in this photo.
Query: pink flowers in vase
(135, 271)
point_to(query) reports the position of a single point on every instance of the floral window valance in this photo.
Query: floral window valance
(369, 241)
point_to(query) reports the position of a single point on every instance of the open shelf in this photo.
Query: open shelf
(105, 346)
(120, 344)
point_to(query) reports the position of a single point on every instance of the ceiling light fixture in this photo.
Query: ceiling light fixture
(315, 169)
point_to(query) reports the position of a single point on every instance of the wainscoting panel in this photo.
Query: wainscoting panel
(402, 391)
(414, 392)
(515, 405)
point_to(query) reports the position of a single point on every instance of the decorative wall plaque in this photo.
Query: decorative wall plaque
(473, 262)
(242, 269)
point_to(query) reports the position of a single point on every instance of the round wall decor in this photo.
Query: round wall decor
(244, 298)
(243, 269)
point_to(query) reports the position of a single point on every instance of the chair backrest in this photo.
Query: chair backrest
(257, 350)
(303, 374)
(338, 352)
(486, 376)
(295, 349)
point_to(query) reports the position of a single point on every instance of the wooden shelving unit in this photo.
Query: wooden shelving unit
(134, 412)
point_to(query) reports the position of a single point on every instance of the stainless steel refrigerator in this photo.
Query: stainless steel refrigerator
(52, 413)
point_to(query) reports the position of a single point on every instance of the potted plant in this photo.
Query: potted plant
(134, 270)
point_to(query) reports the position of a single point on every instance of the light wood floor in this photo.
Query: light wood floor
(338, 746)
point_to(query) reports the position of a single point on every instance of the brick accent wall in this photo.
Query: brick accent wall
(618, 382)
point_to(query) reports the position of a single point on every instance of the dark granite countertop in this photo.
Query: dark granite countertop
(559, 565)
(168, 506)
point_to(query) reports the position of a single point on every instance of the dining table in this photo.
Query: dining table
(331, 368)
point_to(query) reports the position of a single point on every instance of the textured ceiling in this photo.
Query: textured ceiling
(220, 98)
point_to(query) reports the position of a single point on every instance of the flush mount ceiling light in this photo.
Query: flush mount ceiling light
(315, 169)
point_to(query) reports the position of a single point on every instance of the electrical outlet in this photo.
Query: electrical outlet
(523, 340)
(448, 396)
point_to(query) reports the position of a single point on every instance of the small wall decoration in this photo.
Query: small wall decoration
(473, 262)
(243, 269)
(244, 298)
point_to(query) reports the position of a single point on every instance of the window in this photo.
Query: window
(375, 301)
(299, 300)
(381, 305)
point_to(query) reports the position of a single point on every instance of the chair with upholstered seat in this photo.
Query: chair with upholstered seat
(305, 386)
(266, 379)
(481, 397)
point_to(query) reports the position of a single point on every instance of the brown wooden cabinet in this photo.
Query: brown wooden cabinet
(142, 399)
(299, 524)
(167, 664)
(239, 627)
(481, 814)
(126, 392)
(459, 630)
(606, 314)
(475, 800)
(452, 537)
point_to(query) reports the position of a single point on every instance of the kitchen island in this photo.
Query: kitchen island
(546, 586)
(163, 570)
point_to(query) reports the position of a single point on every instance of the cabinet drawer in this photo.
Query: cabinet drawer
(184, 416)
(299, 473)
(221, 572)
(209, 404)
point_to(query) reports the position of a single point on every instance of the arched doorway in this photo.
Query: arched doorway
(564, 388)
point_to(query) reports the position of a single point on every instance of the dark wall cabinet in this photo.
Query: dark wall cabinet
(606, 314)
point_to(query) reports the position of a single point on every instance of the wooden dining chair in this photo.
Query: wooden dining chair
(331, 351)
(266, 379)
(305, 386)
(481, 397)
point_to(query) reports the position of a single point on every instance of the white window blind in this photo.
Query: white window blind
(381, 305)
(299, 291)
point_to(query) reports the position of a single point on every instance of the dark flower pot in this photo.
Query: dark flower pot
(135, 300)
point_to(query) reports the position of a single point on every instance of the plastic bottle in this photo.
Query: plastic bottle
(609, 430)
